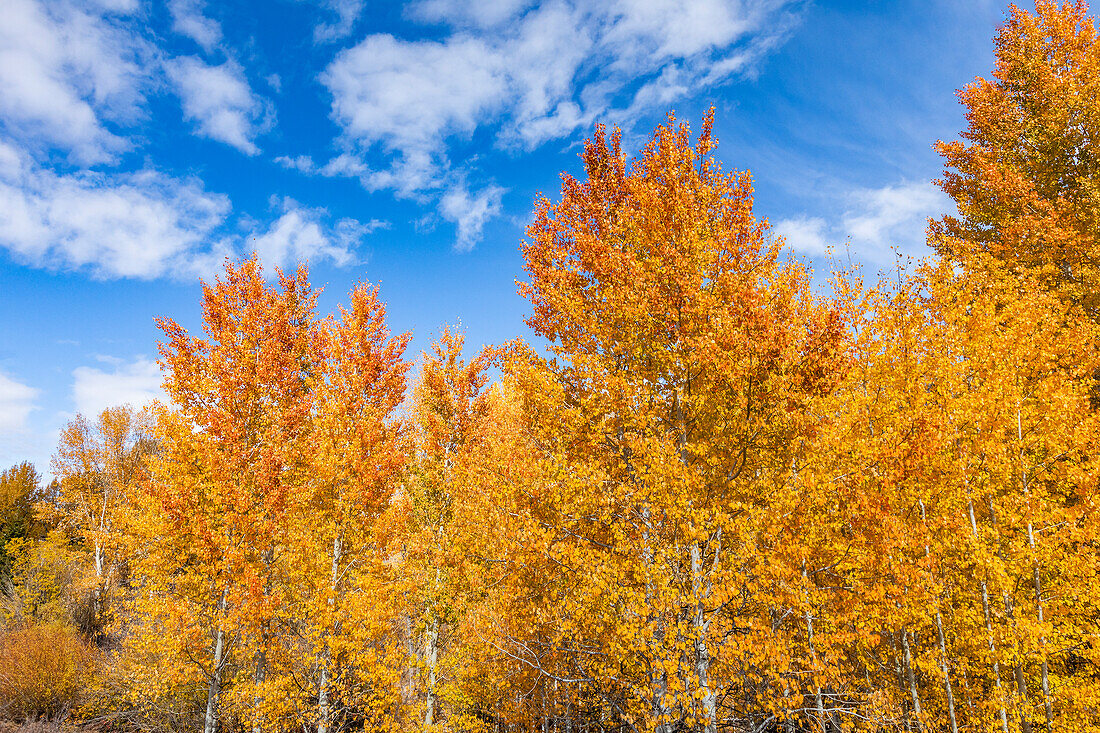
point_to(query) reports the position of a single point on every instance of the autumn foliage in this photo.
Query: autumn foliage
(717, 493)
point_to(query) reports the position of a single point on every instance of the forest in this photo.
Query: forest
(718, 492)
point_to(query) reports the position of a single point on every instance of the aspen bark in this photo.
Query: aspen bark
(912, 680)
(261, 653)
(1018, 672)
(813, 653)
(1034, 574)
(97, 594)
(943, 644)
(988, 623)
(326, 660)
(702, 654)
(210, 722)
(658, 677)
(431, 655)
(1044, 678)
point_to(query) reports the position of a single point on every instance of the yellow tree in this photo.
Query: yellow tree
(97, 465)
(971, 384)
(209, 526)
(356, 458)
(1027, 432)
(1023, 178)
(688, 357)
(448, 405)
(1024, 175)
(19, 492)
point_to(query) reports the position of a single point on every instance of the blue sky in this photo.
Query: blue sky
(143, 141)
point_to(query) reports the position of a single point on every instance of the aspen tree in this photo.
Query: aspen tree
(97, 465)
(448, 403)
(689, 352)
(210, 524)
(1024, 174)
(356, 457)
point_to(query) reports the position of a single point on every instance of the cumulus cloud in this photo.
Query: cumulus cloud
(147, 224)
(17, 400)
(525, 74)
(135, 383)
(219, 100)
(409, 96)
(301, 234)
(188, 19)
(142, 224)
(66, 71)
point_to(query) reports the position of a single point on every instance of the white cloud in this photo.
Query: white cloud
(875, 222)
(16, 403)
(220, 101)
(18, 440)
(141, 225)
(136, 383)
(302, 163)
(188, 20)
(347, 12)
(893, 214)
(470, 212)
(525, 75)
(146, 224)
(300, 234)
(805, 235)
(670, 29)
(409, 96)
(65, 71)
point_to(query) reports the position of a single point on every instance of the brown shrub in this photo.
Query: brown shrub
(30, 726)
(44, 669)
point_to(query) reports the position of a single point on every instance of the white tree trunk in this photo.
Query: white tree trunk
(326, 658)
(818, 699)
(431, 659)
(261, 654)
(1034, 573)
(910, 678)
(989, 625)
(943, 644)
(210, 723)
(708, 699)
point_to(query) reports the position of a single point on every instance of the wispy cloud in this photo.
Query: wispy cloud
(893, 214)
(220, 101)
(17, 400)
(806, 235)
(875, 223)
(346, 12)
(18, 440)
(189, 19)
(525, 75)
(469, 212)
